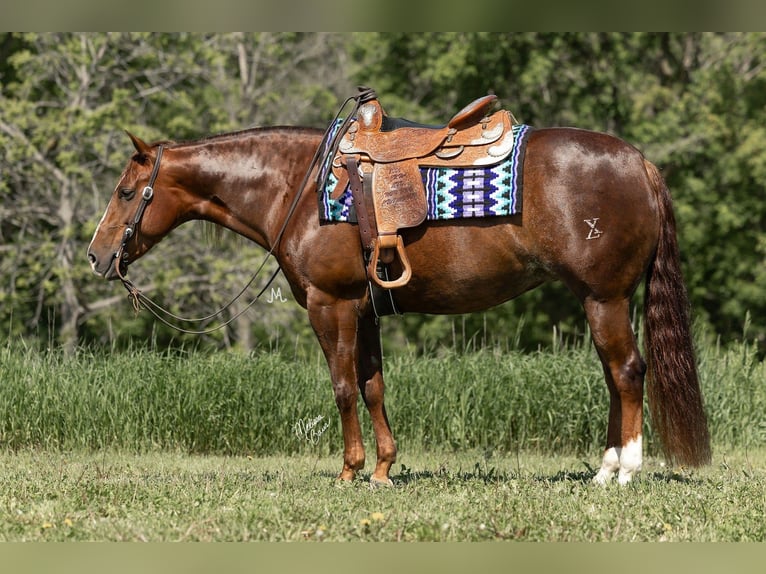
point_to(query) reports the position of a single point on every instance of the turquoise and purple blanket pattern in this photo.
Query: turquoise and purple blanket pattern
(453, 193)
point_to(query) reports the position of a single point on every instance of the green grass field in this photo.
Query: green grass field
(462, 496)
(169, 446)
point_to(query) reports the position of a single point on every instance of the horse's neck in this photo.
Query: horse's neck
(248, 183)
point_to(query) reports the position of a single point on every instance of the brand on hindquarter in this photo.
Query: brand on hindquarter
(593, 231)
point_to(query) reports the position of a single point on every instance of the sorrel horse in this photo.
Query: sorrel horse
(250, 182)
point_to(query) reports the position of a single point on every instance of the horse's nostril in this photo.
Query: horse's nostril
(92, 258)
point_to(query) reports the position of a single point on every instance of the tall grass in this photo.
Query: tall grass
(143, 400)
(496, 400)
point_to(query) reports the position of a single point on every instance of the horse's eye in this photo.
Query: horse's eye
(126, 193)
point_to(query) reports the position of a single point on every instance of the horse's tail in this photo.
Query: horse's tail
(675, 400)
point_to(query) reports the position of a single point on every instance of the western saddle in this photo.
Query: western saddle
(380, 157)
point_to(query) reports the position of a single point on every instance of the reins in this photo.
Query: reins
(139, 299)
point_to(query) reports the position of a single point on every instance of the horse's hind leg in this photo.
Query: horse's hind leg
(624, 371)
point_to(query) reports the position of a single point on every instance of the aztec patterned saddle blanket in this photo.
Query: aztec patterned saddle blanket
(388, 174)
(451, 192)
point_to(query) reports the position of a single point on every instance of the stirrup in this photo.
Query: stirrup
(372, 274)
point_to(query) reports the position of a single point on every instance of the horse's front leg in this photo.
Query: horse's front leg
(335, 322)
(372, 387)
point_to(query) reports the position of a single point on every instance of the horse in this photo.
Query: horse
(252, 182)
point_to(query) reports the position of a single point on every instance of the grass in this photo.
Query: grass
(229, 403)
(176, 445)
(436, 497)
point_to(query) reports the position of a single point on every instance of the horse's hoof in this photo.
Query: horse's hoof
(380, 483)
(625, 477)
(344, 479)
(602, 478)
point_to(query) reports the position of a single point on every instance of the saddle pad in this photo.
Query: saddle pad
(452, 193)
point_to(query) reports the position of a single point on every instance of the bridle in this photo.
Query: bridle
(146, 196)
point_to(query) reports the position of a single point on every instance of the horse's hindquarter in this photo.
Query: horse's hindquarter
(591, 195)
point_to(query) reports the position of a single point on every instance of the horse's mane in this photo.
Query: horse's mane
(237, 134)
(214, 234)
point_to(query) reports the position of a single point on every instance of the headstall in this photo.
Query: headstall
(146, 196)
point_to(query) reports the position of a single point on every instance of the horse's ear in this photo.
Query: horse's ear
(141, 146)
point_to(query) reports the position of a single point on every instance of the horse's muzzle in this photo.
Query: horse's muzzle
(107, 269)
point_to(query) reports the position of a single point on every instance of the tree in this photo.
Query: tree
(693, 103)
(67, 97)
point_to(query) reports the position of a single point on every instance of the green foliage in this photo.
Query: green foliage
(692, 102)
(66, 99)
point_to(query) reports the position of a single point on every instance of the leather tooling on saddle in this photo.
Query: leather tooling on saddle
(390, 174)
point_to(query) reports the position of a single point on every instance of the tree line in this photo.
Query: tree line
(694, 103)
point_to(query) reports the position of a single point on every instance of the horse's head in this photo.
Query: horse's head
(140, 213)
